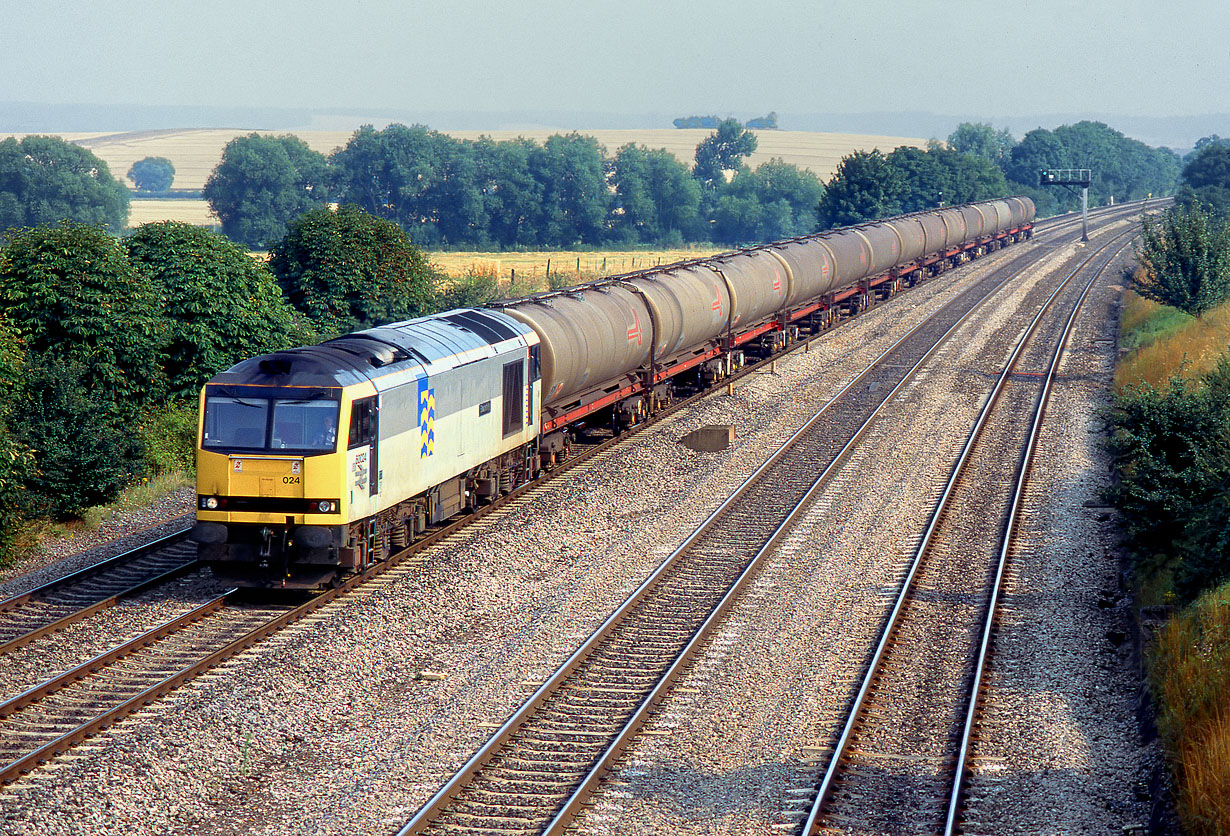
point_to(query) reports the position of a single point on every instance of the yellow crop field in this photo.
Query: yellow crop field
(195, 212)
(527, 267)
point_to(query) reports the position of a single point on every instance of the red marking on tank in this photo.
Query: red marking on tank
(777, 284)
(717, 304)
(634, 332)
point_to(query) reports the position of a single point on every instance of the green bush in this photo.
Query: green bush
(347, 269)
(1172, 453)
(70, 291)
(168, 439)
(220, 305)
(84, 450)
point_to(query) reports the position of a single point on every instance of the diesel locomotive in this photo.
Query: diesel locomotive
(316, 462)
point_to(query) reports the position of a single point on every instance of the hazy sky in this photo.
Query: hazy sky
(1131, 57)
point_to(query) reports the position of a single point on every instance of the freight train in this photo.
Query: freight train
(317, 462)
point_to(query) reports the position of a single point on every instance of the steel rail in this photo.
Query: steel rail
(168, 684)
(889, 628)
(1018, 492)
(437, 803)
(85, 576)
(82, 574)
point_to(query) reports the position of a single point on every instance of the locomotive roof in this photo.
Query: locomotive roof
(427, 344)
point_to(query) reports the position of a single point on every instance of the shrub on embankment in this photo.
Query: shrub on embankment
(1171, 442)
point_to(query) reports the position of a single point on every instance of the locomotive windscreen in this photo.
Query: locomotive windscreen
(270, 424)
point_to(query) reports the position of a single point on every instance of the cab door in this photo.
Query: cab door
(363, 450)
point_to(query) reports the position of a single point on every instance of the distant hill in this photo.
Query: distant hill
(1178, 132)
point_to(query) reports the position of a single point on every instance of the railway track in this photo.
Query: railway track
(67, 600)
(537, 770)
(192, 635)
(899, 762)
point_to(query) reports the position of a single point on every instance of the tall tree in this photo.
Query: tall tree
(722, 151)
(775, 201)
(657, 199)
(1186, 260)
(262, 183)
(571, 173)
(70, 292)
(866, 186)
(220, 304)
(511, 196)
(391, 174)
(1206, 179)
(981, 140)
(44, 179)
(152, 174)
(349, 269)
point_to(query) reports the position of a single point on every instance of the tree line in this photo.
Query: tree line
(481, 194)
(567, 192)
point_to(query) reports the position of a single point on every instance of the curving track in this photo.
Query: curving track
(899, 762)
(719, 566)
(538, 769)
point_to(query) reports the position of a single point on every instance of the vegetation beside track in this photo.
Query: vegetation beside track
(1171, 442)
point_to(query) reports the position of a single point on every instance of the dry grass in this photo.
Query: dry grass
(1167, 341)
(135, 497)
(195, 212)
(567, 267)
(1191, 672)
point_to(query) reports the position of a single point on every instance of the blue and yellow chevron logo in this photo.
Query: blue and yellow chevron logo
(427, 419)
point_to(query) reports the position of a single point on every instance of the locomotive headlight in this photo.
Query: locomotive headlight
(325, 506)
(209, 503)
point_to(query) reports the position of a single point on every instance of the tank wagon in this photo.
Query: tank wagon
(318, 461)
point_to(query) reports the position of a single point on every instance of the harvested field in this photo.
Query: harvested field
(195, 212)
(585, 265)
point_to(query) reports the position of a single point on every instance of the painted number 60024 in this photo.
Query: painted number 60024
(290, 480)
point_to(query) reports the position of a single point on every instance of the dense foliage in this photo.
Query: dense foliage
(1206, 178)
(1123, 168)
(219, 304)
(70, 292)
(1170, 449)
(1185, 258)
(348, 269)
(44, 179)
(771, 202)
(15, 459)
(262, 184)
(84, 452)
(658, 201)
(866, 186)
(152, 174)
(722, 151)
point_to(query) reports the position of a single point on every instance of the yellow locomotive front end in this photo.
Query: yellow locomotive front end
(271, 471)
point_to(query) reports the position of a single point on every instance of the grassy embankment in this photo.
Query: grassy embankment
(1190, 660)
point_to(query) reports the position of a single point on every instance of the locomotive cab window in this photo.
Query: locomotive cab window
(535, 364)
(362, 423)
(514, 396)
